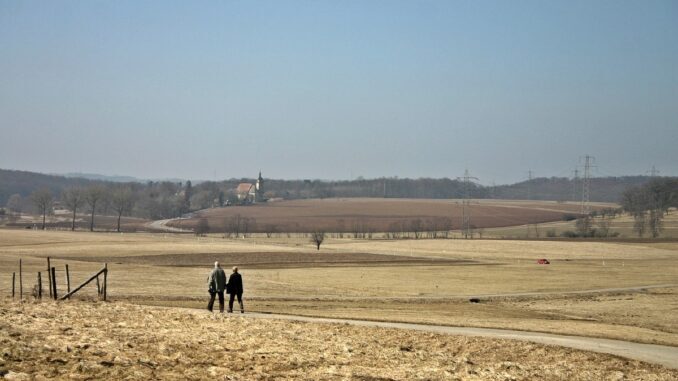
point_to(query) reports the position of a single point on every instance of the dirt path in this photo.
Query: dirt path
(651, 353)
(161, 225)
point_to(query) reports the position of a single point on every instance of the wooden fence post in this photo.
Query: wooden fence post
(21, 282)
(105, 279)
(13, 283)
(83, 284)
(98, 288)
(39, 285)
(49, 277)
(68, 280)
(54, 283)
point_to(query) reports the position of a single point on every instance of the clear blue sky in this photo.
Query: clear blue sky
(332, 90)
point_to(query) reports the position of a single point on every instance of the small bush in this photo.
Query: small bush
(202, 227)
(551, 233)
(569, 217)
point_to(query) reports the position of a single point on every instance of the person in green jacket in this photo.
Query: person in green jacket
(216, 283)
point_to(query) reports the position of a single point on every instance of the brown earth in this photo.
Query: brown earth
(379, 214)
(83, 340)
(274, 260)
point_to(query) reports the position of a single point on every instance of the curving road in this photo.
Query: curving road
(651, 353)
(161, 225)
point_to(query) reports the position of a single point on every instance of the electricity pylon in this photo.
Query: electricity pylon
(466, 204)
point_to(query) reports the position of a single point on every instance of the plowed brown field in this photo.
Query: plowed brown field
(379, 214)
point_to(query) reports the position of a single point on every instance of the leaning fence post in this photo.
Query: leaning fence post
(39, 285)
(98, 288)
(21, 283)
(83, 284)
(68, 280)
(13, 283)
(54, 282)
(49, 277)
(105, 279)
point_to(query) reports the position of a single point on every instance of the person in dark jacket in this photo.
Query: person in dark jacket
(234, 288)
(216, 283)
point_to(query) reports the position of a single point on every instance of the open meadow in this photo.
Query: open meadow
(623, 290)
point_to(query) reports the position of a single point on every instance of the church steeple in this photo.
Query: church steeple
(260, 189)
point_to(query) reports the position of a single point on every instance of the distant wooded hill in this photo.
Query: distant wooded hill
(605, 189)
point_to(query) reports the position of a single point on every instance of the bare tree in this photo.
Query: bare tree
(655, 222)
(122, 200)
(42, 199)
(14, 203)
(416, 226)
(202, 227)
(317, 238)
(93, 195)
(603, 225)
(73, 198)
(14, 206)
(234, 225)
(269, 229)
(584, 226)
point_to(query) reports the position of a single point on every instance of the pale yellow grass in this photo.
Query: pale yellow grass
(509, 250)
(120, 341)
(623, 225)
(431, 294)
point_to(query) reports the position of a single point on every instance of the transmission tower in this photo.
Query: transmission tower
(575, 178)
(654, 172)
(586, 184)
(466, 204)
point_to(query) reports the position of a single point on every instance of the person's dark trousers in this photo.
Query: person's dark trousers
(210, 305)
(230, 302)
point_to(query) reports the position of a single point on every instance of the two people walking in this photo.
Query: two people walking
(216, 285)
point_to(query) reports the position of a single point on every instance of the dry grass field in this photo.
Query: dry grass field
(339, 214)
(421, 281)
(621, 224)
(85, 340)
(62, 220)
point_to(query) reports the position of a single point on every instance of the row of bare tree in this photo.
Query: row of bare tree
(649, 203)
(120, 199)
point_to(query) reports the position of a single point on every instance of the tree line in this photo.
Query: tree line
(649, 203)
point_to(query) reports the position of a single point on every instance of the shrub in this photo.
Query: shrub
(569, 217)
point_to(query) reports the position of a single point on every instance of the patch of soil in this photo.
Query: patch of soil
(274, 260)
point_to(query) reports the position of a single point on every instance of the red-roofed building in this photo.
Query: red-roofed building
(246, 192)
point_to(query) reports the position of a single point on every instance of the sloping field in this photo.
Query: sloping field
(343, 214)
(77, 340)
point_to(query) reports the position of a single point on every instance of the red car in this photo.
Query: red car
(543, 261)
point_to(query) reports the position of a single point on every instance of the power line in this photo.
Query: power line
(654, 172)
(586, 185)
(466, 204)
(575, 178)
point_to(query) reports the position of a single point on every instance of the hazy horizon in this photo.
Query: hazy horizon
(338, 90)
